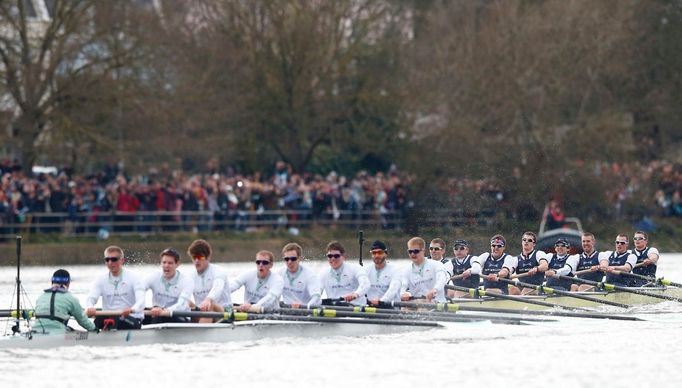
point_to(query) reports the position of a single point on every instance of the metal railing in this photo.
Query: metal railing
(88, 224)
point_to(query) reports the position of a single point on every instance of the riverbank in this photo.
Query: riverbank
(234, 247)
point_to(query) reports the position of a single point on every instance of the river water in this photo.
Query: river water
(569, 352)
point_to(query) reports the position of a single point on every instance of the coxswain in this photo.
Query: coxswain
(57, 305)
(211, 285)
(171, 290)
(647, 259)
(422, 278)
(461, 268)
(529, 266)
(262, 287)
(121, 290)
(384, 277)
(343, 280)
(301, 284)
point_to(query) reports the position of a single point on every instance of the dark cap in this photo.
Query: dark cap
(462, 243)
(61, 276)
(378, 244)
(562, 241)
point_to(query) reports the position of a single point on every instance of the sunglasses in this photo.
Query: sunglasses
(198, 257)
(496, 246)
(460, 248)
(621, 242)
(560, 246)
(434, 248)
(290, 258)
(263, 262)
(639, 238)
(333, 255)
(112, 259)
(530, 240)
(413, 251)
(377, 252)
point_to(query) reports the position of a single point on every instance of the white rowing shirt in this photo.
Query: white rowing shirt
(301, 287)
(419, 280)
(257, 291)
(118, 292)
(348, 279)
(212, 283)
(384, 283)
(173, 294)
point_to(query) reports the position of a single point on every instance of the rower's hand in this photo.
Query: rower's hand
(405, 296)
(647, 262)
(431, 294)
(491, 277)
(156, 311)
(594, 268)
(126, 311)
(533, 271)
(350, 297)
(549, 274)
(466, 274)
(205, 305)
(373, 302)
(90, 312)
(244, 307)
(295, 305)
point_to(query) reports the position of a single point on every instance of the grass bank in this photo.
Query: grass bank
(232, 246)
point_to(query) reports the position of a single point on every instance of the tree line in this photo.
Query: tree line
(529, 92)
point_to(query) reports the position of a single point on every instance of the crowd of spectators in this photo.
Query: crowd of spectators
(223, 200)
(232, 200)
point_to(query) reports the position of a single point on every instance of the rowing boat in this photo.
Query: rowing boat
(619, 297)
(184, 333)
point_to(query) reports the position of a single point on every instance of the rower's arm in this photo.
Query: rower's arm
(140, 297)
(653, 255)
(77, 312)
(393, 289)
(186, 290)
(570, 266)
(477, 265)
(363, 282)
(272, 297)
(314, 290)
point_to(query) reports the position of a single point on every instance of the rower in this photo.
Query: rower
(647, 259)
(619, 260)
(171, 290)
(589, 260)
(120, 289)
(491, 263)
(301, 284)
(343, 280)
(384, 277)
(424, 278)
(461, 266)
(530, 265)
(437, 253)
(56, 305)
(211, 285)
(262, 287)
(560, 263)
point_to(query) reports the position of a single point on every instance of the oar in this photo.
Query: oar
(475, 291)
(23, 314)
(649, 279)
(239, 316)
(374, 313)
(549, 291)
(612, 287)
(453, 307)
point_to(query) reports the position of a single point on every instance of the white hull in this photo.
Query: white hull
(185, 333)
